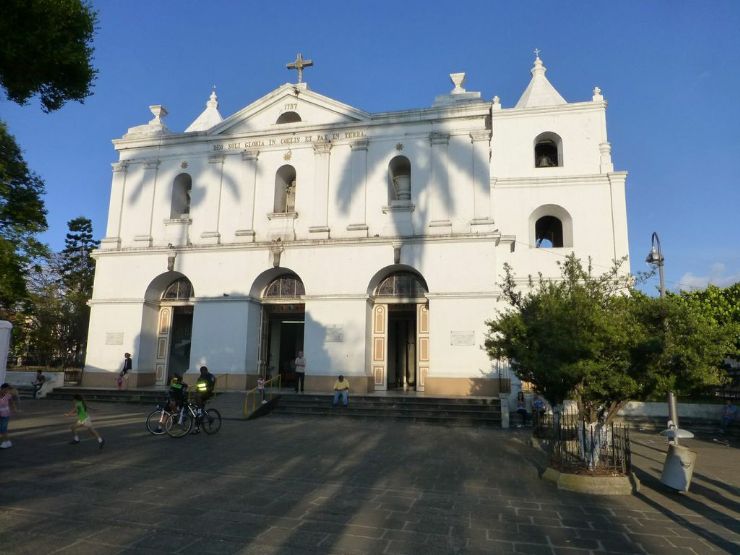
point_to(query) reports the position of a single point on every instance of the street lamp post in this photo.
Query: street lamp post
(655, 258)
(679, 462)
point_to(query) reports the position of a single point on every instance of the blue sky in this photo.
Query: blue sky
(669, 70)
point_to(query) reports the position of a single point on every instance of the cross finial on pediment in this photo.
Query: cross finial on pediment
(299, 64)
(537, 52)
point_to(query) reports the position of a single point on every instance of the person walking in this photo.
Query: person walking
(300, 372)
(122, 380)
(38, 383)
(341, 389)
(79, 408)
(6, 402)
(521, 407)
(729, 414)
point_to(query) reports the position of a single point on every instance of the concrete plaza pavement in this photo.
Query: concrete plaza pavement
(321, 485)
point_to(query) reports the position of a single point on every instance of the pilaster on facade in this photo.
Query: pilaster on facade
(320, 222)
(212, 236)
(151, 166)
(440, 222)
(480, 171)
(246, 234)
(112, 239)
(358, 203)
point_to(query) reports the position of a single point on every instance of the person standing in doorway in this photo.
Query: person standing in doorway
(79, 408)
(125, 369)
(300, 372)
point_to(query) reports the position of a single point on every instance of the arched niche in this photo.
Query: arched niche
(399, 179)
(285, 189)
(181, 189)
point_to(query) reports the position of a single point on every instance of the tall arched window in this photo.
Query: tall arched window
(399, 177)
(288, 117)
(285, 184)
(548, 232)
(401, 284)
(285, 286)
(181, 187)
(548, 150)
(179, 290)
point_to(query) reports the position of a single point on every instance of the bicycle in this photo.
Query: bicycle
(180, 423)
(157, 419)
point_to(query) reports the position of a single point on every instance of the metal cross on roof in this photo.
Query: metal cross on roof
(299, 64)
(537, 52)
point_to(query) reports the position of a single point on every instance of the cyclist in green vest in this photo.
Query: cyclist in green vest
(204, 387)
(177, 394)
(203, 391)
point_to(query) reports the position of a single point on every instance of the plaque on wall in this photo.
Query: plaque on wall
(334, 334)
(114, 338)
(462, 338)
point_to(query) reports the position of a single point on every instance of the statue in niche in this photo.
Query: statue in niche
(290, 197)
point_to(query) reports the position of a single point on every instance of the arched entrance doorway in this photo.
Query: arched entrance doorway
(174, 330)
(282, 325)
(400, 332)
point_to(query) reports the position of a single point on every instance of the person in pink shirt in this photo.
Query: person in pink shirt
(6, 402)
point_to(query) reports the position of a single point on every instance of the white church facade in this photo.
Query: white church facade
(373, 242)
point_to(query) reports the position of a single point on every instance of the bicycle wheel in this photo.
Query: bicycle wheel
(179, 424)
(155, 422)
(211, 421)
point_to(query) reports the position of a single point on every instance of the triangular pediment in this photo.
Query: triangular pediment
(282, 105)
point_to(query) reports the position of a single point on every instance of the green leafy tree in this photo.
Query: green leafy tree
(721, 305)
(22, 217)
(594, 339)
(77, 274)
(46, 50)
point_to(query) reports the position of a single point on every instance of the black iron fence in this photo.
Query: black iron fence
(578, 447)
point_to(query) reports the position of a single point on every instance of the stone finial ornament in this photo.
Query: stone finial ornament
(458, 79)
(597, 95)
(159, 112)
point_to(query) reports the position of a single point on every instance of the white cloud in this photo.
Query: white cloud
(717, 276)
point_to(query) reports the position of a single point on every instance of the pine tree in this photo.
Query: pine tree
(77, 275)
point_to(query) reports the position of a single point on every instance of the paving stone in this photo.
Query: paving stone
(119, 535)
(342, 528)
(215, 546)
(84, 547)
(353, 544)
(532, 549)
(165, 541)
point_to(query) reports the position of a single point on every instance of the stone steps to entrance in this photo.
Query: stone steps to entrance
(461, 411)
(138, 396)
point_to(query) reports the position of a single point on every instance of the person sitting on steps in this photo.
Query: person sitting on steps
(341, 389)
